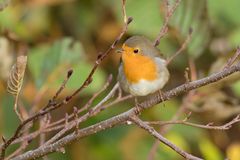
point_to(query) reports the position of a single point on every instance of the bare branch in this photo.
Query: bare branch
(75, 111)
(164, 129)
(124, 11)
(105, 99)
(183, 47)
(119, 99)
(162, 139)
(207, 126)
(22, 147)
(57, 125)
(69, 74)
(233, 59)
(89, 103)
(168, 15)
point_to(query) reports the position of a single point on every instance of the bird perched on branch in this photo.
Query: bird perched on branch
(142, 70)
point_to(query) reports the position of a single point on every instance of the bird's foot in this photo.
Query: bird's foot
(161, 97)
(138, 106)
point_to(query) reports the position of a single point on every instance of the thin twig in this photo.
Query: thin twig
(162, 139)
(120, 99)
(106, 98)
(81, 119)
(183, 47)
(87, 105)
(75, 112)
(207, 126)
(49, 107)
(186, 100)
(168, 15)
(43, 124)
(125, 19)
(22, 147)
(95, 95)
(69, 74)
(89, 79)
(233, 59)
(57, 125)
(100, 58)
(163, 130)
(52, 102)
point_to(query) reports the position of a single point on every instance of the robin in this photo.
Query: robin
(142, 70)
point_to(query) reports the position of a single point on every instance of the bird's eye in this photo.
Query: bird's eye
(136, 50)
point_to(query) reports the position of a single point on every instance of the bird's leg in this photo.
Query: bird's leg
(138, 106)
(161, 97)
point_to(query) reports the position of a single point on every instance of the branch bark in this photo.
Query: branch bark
(162, 139)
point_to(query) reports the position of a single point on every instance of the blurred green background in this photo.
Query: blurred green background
(63, 34)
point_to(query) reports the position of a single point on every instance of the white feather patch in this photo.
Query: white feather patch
(144, 87)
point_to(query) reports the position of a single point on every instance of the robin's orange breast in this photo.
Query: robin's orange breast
(137, 67)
